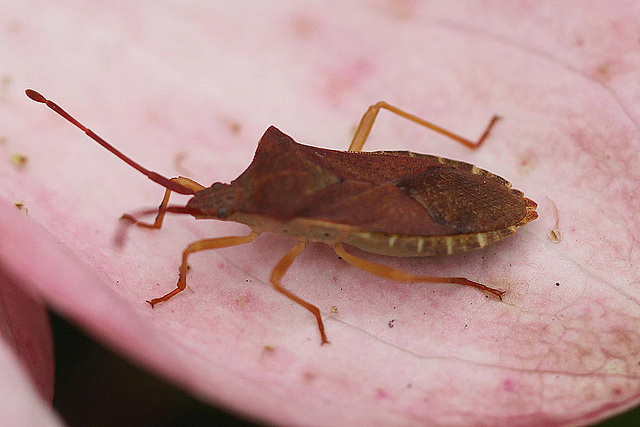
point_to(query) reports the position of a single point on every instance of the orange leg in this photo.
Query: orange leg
(201, 245)
(366, 123)
(189, 183)
(278, 272)
(402, 276)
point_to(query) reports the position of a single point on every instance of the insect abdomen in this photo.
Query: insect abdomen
(415, 246)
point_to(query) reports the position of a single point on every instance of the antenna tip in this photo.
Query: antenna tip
(35, 96)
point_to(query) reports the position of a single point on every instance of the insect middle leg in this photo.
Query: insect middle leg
(369, 117)
(279, 270)
(201, 245)
(187, 182)
(402, 276)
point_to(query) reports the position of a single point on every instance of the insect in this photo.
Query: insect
(394, 203)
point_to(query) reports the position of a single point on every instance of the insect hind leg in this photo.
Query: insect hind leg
(369, 117)
(402, 276)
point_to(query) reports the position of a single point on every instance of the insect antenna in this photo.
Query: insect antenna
(155, 177)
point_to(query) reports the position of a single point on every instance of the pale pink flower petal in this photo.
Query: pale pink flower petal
(26, 357)
(189, 88)
(20, 403)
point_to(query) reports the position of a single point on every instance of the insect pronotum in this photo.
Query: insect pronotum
(394, 203)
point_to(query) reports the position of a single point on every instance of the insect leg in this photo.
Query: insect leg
(402, 276)
(278, 272)
(186, 182)
(201, 245)
(366, 123)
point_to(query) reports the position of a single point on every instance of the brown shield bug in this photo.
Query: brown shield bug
(394, 203)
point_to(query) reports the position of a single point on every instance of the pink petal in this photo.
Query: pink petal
(205, 80)
(26, 357)
(20, 403)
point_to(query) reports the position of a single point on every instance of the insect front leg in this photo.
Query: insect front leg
(402, 276)
(201, 245)
(366, 123)
(187, 182)
(278, 272)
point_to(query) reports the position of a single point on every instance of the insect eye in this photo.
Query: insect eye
(223, 213)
